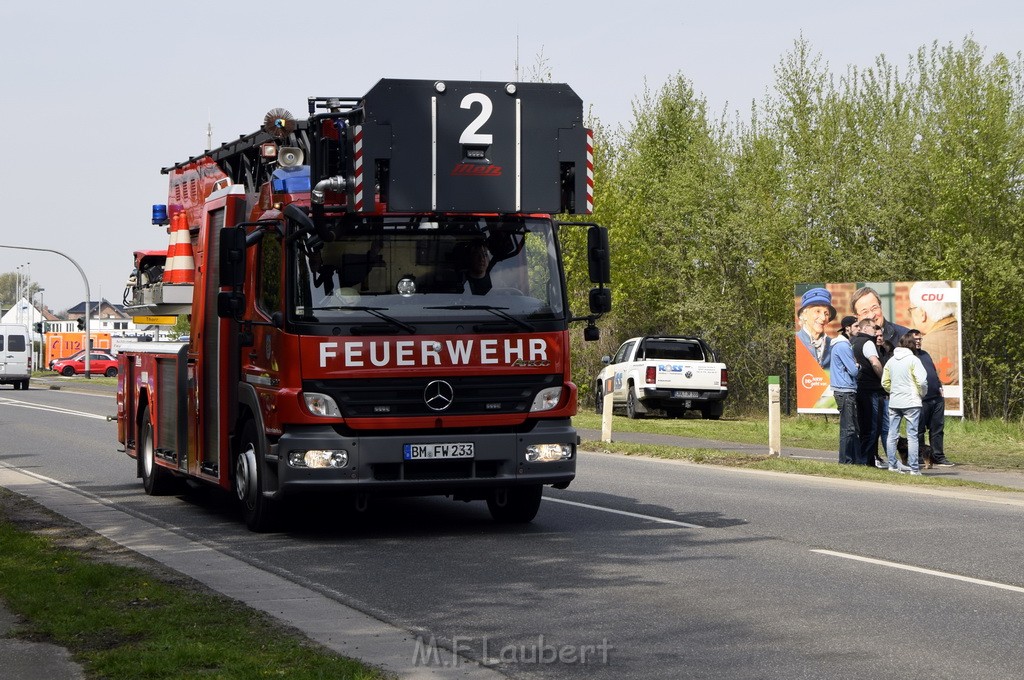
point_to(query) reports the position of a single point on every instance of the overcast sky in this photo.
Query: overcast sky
(99, 96)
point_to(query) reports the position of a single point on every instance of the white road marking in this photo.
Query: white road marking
(921, 570)
(52, 409)
(627, 514)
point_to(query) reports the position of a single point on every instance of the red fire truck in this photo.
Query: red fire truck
(377, 303)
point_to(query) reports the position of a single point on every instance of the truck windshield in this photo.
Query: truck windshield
(406, 270)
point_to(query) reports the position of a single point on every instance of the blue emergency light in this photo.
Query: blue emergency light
(160, 214)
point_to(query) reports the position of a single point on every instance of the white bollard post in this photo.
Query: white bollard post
(774, 416)
(606, 417)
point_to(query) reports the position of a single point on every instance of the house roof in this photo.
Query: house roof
(95, 307)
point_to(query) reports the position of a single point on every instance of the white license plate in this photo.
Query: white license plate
(683, 394)
(429, 451)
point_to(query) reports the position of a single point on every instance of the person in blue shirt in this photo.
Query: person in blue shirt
(843, 378)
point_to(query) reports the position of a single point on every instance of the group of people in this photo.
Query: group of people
(880, 378)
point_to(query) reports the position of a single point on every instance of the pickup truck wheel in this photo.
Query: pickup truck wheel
(259, 511)
(633, 405)
(711, 412)
(598, 399)
(156, 481)
(515, 504)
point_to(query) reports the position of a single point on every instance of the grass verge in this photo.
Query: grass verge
(124, 622)
(988, 443)
(803, 467)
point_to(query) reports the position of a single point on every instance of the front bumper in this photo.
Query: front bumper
(376, 463)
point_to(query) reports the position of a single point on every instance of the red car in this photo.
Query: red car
(77, 355)
(99, 363)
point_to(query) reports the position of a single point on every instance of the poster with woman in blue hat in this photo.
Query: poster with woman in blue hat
(930, 307)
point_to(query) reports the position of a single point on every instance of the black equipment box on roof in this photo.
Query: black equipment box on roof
(466, 146)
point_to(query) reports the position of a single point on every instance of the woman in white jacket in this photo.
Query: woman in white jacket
(906, 382)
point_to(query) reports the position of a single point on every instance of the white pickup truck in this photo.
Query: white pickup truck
(670, 373)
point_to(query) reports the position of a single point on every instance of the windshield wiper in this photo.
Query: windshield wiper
(375, 311)
(497, 311)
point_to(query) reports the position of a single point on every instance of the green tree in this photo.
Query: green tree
(9, 288)
(972, 148)
(181, 327)
(883, 173)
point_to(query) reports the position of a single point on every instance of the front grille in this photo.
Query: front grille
(436, 470)
(396, 397)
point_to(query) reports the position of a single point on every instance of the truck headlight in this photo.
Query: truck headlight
(548, 453)
(318, 458)
(321, 405)
(546, 399)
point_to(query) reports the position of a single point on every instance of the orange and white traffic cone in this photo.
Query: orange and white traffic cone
(180, 266)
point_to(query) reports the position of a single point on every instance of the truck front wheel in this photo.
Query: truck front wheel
(156, 481)
(515, 504)
(259, 511)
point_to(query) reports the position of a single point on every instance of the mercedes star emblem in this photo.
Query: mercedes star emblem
(438, 395)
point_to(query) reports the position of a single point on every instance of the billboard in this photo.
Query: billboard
(932, 307)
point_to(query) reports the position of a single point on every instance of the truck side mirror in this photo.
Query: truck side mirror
(232, 257)
(600, 300)
(598, 258)
(230, 305)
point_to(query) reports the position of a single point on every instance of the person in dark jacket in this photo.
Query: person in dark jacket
(933, 405)
(870, 395)
(885, 350)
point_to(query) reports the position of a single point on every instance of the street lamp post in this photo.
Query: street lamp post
(88, 296)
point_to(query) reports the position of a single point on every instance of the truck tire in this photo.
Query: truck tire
(598, 399)
(259, 511)
(156, 481)
(515, 504)
(712, 412)
(633, 407)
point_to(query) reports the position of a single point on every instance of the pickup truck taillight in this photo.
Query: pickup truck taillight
(651, 376)
(725, 377)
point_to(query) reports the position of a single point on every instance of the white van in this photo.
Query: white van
(15, 355)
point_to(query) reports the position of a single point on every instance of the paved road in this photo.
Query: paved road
(651, 569)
